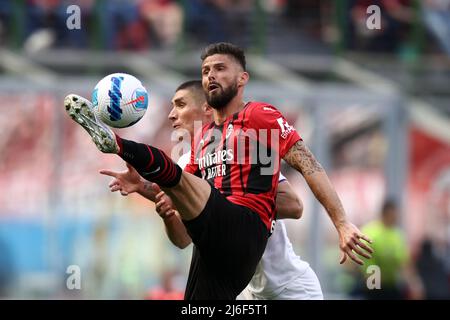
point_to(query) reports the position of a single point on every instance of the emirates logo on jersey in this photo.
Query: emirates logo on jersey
(213, 164)
(285, 127)
(214, 158)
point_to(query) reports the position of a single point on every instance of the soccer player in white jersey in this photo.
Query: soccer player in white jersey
(280, 274)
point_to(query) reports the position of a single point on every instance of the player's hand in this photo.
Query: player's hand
(351, 243)
(164, 205)
(126, 182)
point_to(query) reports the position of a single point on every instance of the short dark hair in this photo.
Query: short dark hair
(191, 84)
(225, 48)
(196, 89)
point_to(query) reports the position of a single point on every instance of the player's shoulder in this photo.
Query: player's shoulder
(261, 110)
(259, 106)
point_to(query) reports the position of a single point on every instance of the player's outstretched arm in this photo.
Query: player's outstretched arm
(350, 238)
(130, 181)
(289, 205)
(175, 229)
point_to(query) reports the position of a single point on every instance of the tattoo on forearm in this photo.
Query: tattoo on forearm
(148, 186)
(301, 158)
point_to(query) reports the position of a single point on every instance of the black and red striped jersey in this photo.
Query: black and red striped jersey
(241, 157)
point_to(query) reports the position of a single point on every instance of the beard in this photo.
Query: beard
(220, 99)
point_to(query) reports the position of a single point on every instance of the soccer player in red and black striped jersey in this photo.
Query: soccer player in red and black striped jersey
(226, 195)
(241, 156)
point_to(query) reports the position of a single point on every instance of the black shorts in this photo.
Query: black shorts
(229, 241)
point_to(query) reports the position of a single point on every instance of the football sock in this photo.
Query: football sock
(151, 163)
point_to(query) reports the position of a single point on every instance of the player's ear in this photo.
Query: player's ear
(207, 109)
(243, 78)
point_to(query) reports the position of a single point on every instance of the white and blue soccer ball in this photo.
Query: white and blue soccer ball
(119, 100)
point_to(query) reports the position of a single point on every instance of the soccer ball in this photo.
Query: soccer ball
(119, 100)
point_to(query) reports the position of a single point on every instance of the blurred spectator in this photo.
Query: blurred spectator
(5, 20)
(170, 288)
(205, 21)
(121, 25)
(436, 14)
(240, 16)
(40, 14)
(302, 13)
(165, 18)
(392, 257)
(41, 24)
(46, 24)
(396, 18)
(431, 268)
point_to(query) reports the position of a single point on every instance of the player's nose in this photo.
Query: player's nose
(211, 76)
(172, 115)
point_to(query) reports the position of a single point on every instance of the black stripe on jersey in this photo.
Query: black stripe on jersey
(273, 208)
(202, 150)
(241, 176)
(226, 180)
(258, 183)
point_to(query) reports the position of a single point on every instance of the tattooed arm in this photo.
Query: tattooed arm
(300, 158)
(147, 190)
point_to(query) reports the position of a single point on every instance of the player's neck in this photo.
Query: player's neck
(231, 108)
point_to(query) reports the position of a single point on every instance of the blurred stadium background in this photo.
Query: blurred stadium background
(374, 105)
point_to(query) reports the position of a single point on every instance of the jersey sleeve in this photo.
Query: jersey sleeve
(268, 117)
(281, 178)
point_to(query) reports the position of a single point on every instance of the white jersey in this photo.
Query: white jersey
(281, 274)
(184, 160)
(278, 267)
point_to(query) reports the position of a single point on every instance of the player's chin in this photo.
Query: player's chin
(214, 93)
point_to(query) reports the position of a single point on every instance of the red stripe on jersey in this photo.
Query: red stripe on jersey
(151, 160)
